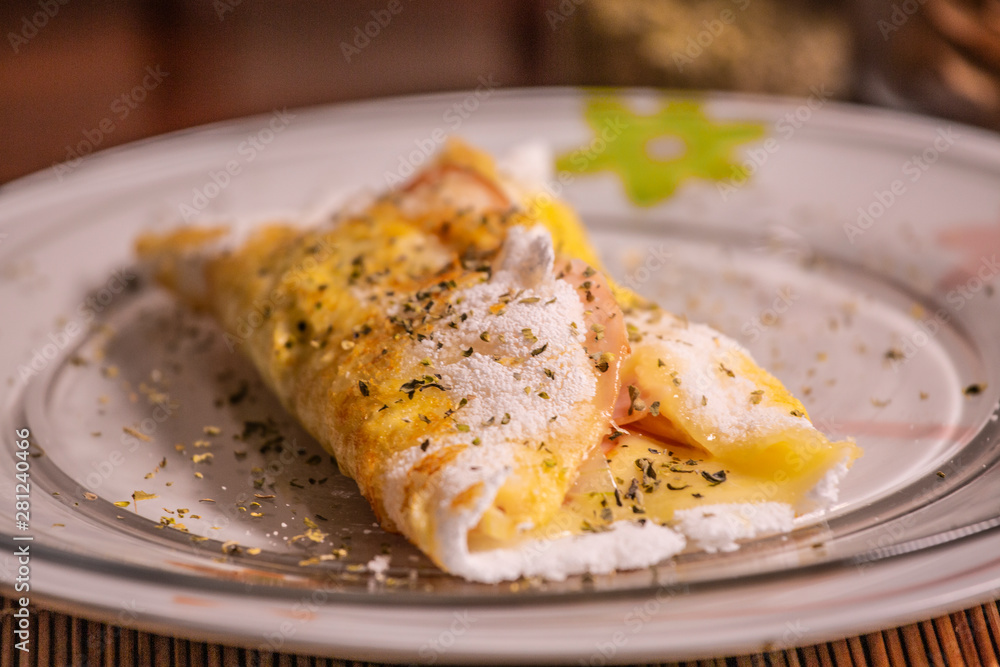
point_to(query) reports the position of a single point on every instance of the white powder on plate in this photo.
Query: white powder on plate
(379, 564)
(626, 546)
(717, 527)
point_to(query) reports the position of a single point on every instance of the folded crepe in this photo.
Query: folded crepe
(456, 346)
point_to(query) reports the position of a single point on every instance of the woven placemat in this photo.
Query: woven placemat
(970, 637)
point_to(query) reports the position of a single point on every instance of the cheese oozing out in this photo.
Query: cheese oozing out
(702, 447)
(516, 384)
(742, 468)
(710, 443)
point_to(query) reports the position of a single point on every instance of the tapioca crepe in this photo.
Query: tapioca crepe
(457, 346)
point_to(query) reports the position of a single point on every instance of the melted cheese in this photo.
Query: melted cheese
(703, 427)
(463, 365)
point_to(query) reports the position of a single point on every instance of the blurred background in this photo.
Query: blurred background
(80, 75)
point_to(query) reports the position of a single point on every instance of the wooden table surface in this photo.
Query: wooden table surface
(970, 637)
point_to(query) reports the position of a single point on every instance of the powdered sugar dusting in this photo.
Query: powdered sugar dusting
(379, 564)
(526, 168)
(525, 365)
(827, 490)
(517, 359)
(625, 546)
(717, 527)
(715, 394)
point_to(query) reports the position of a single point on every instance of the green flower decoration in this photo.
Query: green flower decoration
(654, 154)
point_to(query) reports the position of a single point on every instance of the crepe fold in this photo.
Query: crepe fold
(456, 347)
(436, 344)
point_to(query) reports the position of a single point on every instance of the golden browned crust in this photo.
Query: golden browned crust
(309, 309)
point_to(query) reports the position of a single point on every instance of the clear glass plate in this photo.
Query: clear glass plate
(889, 336)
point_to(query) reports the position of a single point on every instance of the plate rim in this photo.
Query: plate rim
(913, 126)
